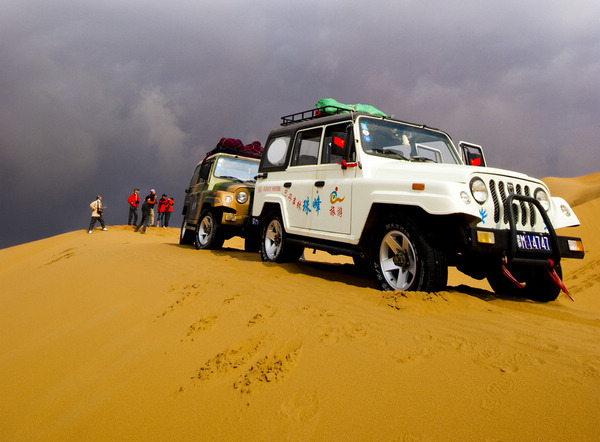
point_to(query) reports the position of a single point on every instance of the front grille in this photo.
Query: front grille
(523, 213)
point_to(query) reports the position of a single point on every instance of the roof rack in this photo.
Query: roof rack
(312, 114)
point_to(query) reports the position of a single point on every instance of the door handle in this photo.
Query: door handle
(319, 183)
(288, 184)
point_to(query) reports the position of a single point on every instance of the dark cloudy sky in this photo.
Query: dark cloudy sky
(103, 96)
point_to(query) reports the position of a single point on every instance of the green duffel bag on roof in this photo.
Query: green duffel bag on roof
(331, 106)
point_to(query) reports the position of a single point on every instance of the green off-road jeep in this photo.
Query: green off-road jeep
(217, 202)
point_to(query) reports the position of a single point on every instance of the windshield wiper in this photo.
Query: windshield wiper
(232, 178)
(390, 153)
(420, 159)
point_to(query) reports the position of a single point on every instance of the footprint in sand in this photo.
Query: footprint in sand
(301, 407)
(230, 300)
(231, 359)
(496, 391)
(200, 326)
(501, 386)
(65, 254)
(494, 358)
(270, 368)
(259, 318)
(532, 339)
(187, 292)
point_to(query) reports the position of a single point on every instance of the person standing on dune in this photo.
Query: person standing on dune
(168, 211)
(97, 209)
(162, 207)
(134, 203)
(152, 202)
(146, 210)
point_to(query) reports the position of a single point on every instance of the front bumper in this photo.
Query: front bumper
(539, 249)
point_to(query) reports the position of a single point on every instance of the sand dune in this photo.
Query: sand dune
(576, 191)
(122, 336)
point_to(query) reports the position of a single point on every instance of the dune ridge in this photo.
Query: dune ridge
(575, 191)
(122, 336)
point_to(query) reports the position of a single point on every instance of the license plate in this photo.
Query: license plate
(532, 242)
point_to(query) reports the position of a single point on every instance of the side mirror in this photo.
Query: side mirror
(472, 154)
(339, 146)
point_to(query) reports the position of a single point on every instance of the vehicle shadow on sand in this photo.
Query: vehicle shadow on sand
(343, 273)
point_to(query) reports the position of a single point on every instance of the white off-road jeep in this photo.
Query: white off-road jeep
(402, 200)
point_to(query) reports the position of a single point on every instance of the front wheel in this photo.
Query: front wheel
(274, 246)
(403, 258)
(539, 285)
(208, 234)
(186, 236)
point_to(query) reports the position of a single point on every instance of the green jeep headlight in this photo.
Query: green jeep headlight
(242, 197)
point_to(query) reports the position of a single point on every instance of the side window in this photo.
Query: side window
(205, 170)
(195, 176)
(337, 145)
(276, 154)
(306, 148)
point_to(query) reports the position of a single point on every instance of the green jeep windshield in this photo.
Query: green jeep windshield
(395, 140)
(237, 169)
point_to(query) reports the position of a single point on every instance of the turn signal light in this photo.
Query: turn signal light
(486, 237)
(575, 245)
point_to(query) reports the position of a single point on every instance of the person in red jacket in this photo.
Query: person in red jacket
(134, 203)
(168, 210)
(162, 206)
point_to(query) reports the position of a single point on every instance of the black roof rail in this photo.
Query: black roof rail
(312, 114)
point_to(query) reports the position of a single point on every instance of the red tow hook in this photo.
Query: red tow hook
(551, 268)
(509, 275)
(557, 280)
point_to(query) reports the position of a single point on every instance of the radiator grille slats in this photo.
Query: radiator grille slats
(523, 213)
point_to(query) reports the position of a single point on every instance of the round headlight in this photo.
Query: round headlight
(242, 197)
(541, 195)
(478, 190)
(565, 210)
(228, 199)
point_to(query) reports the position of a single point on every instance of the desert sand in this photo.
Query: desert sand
(123, 336)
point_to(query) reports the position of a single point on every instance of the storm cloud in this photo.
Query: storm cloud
(101, 97)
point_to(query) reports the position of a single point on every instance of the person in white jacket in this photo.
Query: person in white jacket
(97, 209)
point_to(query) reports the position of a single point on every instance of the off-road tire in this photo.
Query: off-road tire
(404, 258)
(208, 232)
(186, 236)
(539, 285)
(274, 244)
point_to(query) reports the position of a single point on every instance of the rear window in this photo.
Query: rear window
(276, 154)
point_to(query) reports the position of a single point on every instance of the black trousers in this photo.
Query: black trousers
(167, 216)
(133, 216)
(93, 221)
(145, 222)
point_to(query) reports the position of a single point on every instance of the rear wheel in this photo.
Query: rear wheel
(274, 246)
(539, 285)
(403, 258)
(186, 236)
(208, 234)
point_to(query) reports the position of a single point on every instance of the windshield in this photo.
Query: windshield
(236, 169)
(395, 140)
